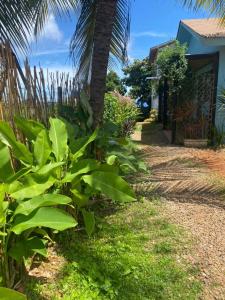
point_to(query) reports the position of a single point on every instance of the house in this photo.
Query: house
(205, 41)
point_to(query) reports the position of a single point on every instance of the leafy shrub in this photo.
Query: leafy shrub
(122, 112)
(52, 168)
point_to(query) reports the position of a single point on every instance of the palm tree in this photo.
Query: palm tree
(101, 35)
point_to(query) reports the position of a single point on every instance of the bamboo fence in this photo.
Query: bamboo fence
(32, 93)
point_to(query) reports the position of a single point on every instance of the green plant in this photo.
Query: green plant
(122, 112)
(51, 169)
(173, 65)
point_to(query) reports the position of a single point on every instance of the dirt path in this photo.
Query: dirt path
(192, 182)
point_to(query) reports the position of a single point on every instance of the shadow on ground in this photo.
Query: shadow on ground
(176, 173)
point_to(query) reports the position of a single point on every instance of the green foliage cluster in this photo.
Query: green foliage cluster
(135, 77)
(173, 64)
(45, 184)
(122, 112)
(114, 83)
(132, 255)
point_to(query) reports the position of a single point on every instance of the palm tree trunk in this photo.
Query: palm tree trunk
(105, 17)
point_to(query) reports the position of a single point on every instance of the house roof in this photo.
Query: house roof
(207, 28)
(154, 50)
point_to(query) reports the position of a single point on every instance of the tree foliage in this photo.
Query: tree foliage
(136, 74)
(114, 83)
(173, 64)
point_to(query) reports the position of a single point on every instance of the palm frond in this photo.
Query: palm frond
(43, 8)
(81, 47)
(216, 7)
(15, 16)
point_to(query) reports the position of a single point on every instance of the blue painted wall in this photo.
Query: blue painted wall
(199, 45)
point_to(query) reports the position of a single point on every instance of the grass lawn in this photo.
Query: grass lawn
(133, 255)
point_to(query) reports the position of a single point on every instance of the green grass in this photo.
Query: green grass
(132, 256)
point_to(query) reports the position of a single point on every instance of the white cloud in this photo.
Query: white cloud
(51, 30)
(154, 34)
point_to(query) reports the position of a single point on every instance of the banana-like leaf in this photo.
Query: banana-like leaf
(6, 169)
(59, 138)
(82, 145)
(81, 167)
(22, 172)
(111, 159)
(81, 200)
(31, 188)
(30, 128)
(27, 207)
(25, 248)
(8, 138)
(111, 185)
(8, 294)
(89, 221)
(42, 147)
(49, 168)
(49, 217)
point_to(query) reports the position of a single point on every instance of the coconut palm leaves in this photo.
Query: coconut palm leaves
(14, 22)
(214, 6)
(82, 43)
(20, 19)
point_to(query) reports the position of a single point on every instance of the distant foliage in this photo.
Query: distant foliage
(122, 112)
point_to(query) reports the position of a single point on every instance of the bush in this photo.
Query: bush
(121, 111)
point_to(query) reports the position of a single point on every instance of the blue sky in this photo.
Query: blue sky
(152, 22)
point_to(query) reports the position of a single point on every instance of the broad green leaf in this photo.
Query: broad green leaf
(30, 128)
(81, 167)
(49, 167)
(25, 248)
(50, 217)
(89, 221)
(28, 206)
(31, 188)
(8, 294)
(8, 138)
(83, 145)
(110, 185)
(80, 199)
(111, 159)
(22, 172)
(109, 168)
(59, 138)
(42, 148)
(6, 169)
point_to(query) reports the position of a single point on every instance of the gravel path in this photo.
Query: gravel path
(192, 182)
